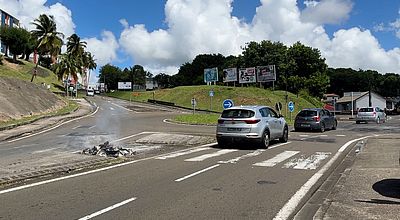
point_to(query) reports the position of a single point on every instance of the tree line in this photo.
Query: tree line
(46, 41)
(111, 75)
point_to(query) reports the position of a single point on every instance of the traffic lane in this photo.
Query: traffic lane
(150, 179)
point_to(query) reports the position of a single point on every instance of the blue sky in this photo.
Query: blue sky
(163, 34)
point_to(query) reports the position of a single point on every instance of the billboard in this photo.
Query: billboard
(230, 75)
(124, 85)
(266, 73)
(211, 75)
(247, 75)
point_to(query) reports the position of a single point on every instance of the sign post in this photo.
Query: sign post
(291, 109)
(211, 94)
(194, 103)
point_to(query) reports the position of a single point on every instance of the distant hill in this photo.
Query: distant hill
(19, 97)
(182, 96)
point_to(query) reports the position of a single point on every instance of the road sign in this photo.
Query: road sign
(211, 93)
(227, 103)
(194, 102)
(291, 106)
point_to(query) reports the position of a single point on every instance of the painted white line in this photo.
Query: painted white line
(277, 159)
(340, 135)
(75, 127)
(295, 200)
(52, 128)
(252, 154)
(112, 109)
(134, 135)
(92, 127)
(46, 150)
(207, 156)
(130, 110)
(278, 145)
(310, 163)
(87, 173)
(196, 173)
(108, 209)
(177, 154)
(304, 135)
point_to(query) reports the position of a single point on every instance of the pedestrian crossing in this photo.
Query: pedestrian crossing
(287, 159)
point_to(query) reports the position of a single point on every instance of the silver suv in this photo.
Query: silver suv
(370, 114)
(251, 123)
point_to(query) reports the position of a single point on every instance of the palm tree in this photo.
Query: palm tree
(75, 51)
(66, 67)
(88, 63)
(49, 40)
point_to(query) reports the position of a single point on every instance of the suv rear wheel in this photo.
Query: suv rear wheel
(265, 139)
(285, 135)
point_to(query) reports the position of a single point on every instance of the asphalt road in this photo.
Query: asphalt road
(203, 182)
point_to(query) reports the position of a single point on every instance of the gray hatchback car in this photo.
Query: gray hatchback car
(259, 124)
(315, 119)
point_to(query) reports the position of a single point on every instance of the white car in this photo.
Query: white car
(259, 124)
(370, 114)
(90, 92)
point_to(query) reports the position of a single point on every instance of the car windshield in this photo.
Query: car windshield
(307, 113)
(237, 113)
(366, 110)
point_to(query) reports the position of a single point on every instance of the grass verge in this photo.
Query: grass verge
(197, 119)
(70, 107)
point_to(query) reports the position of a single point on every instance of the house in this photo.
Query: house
(359, 100)
(151, 84)
(330, 98)
(8, 21)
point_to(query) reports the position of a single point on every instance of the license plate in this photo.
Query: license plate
(234, 129)
(305, 125)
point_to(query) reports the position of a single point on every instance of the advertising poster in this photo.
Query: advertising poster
(230, 75)
(247, 75)
(266, 73)
(124, 85)
(211, 75)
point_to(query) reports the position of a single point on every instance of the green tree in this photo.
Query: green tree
(49, 40)
(89, 64)
(15, 38)
(163, 80)
(110, 75)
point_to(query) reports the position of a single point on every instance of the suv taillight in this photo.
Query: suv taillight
(252, 121)
(316, 118)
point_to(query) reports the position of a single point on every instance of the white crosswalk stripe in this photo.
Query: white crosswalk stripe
(181, 153)
(277, 159)
(252, 154)
(207, 156)
(310, 163)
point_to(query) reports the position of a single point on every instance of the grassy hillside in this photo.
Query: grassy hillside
(24, 70)
(182, 96)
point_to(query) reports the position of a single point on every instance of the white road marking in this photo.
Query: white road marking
(196, 173)
(290, 206)
(207, 156)
(52, 128)
(130, 110)
(46, 150)
(340, 135)
(134, 135)
(277, 159)
(75, 127)
(252, 154)
(278, 145)
(304, 135)
(86, 173)
(92, 127)
(112, 109)
(177, 154)
(108, 209)
(310, 163)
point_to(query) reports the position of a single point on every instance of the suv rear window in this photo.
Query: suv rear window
(237, 113)
(307, 113)
(366, 110)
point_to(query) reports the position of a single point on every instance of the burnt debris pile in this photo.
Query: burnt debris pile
(108, 150)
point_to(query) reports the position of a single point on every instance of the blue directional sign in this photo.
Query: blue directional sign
(211, 93)
(291, 106)
(227, 103)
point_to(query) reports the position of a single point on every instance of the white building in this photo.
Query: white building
(9, 21)
(359, 100)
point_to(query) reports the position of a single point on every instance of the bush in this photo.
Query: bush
(1, 59)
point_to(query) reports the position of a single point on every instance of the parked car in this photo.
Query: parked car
(90, 92)
(315, 119)
(259, 124)
(371, 114)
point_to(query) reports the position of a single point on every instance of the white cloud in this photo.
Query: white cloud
(326, 11)
(104, 49)
(28, 10)
(207, 26)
